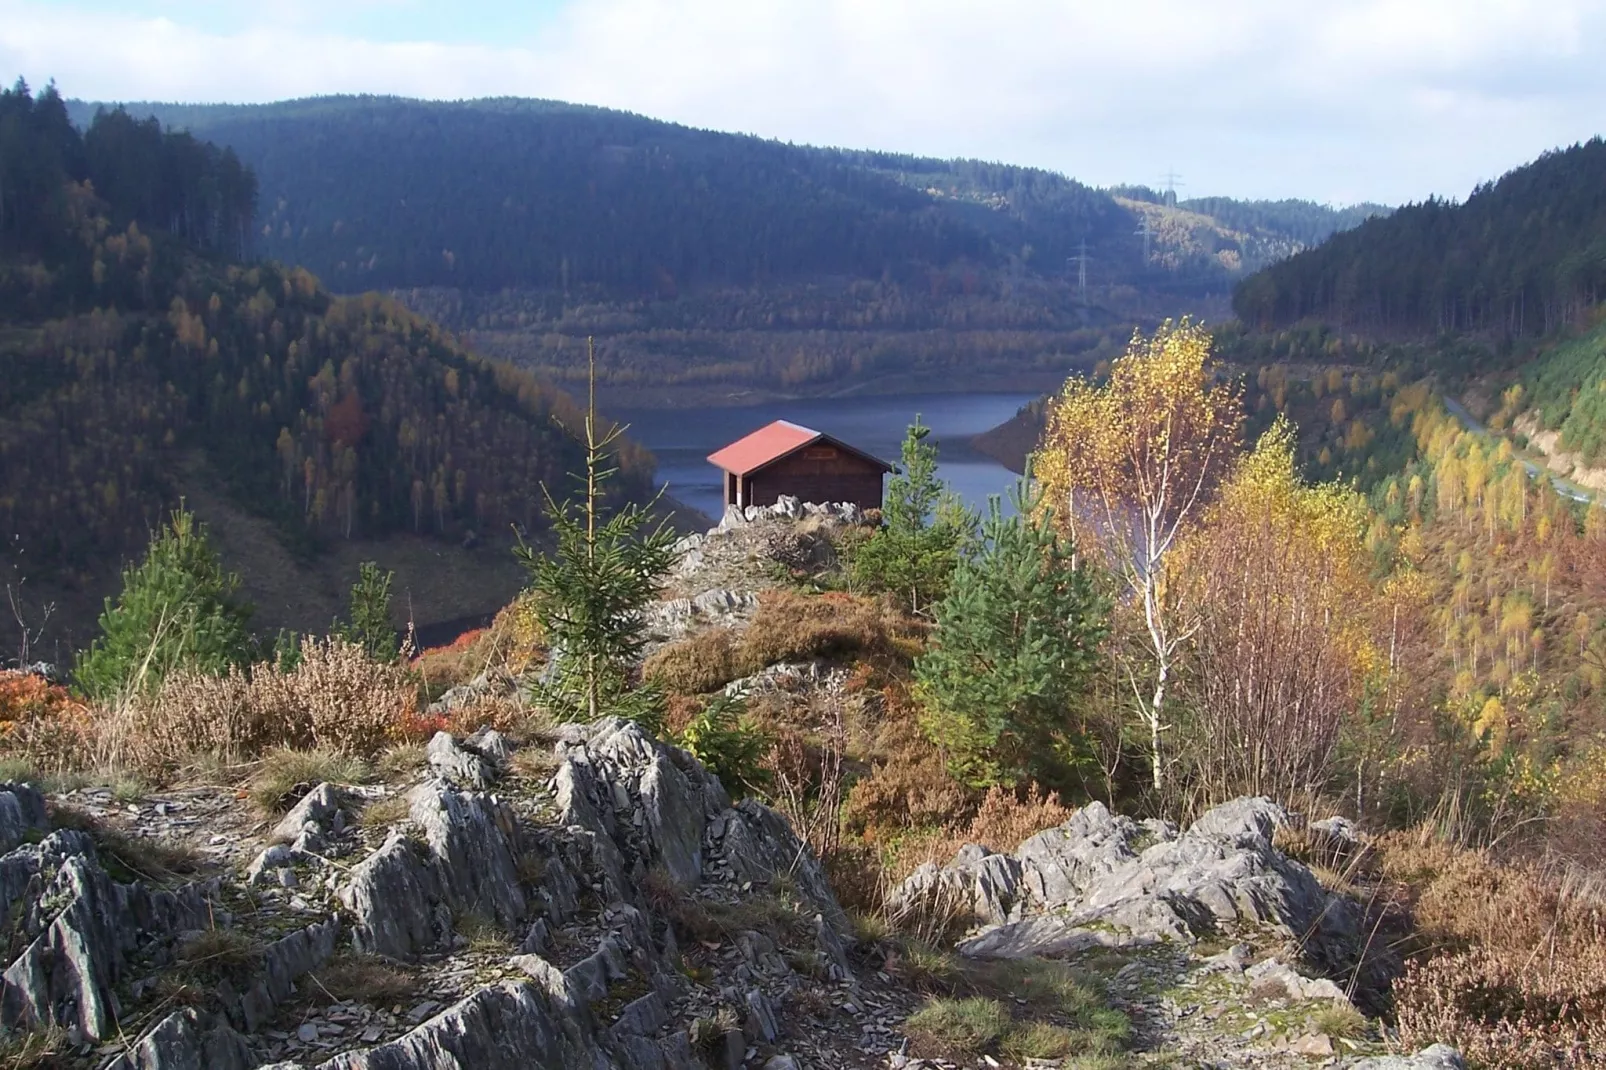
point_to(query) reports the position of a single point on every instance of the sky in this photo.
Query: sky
(1337, 101)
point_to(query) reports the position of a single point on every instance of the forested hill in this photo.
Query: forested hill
(374, 192)
(135, 348)
(1524, 255)
(716, 261)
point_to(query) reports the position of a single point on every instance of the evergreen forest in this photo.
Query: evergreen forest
(138, 346)
(1522, 256)
(695, 257)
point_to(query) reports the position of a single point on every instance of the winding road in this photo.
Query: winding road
(1565, 488)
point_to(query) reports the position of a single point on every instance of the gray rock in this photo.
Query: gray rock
(676, 820)
(267, 866)
(320, 812)
(493, 746)
(509, 1026)
(68, 973)
(1045, 936)
(283, 962)
(474, 858)
(781, 1062)
(22, 814)
(1251, 822)
(642, 1017)
(759, 1025)
(181, 1041)
(1280, 981)
(1437, 1057)
(759, 845)
(1338, 828)
(1100, 878)
(456, 765)
(390, 894)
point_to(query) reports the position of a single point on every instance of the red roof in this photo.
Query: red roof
(772, 442)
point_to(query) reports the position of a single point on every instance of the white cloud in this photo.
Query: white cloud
(1342, 100)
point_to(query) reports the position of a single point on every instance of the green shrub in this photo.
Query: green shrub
(912, 556)
(729, 743)
(1016, 643)
(177, 609)
(369, 625)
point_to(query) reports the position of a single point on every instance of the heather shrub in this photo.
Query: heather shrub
(907, 788)
(794, 627)
(511, 646)
(1507, 1008)
(1512, 959)
(695, 665)
(351, 702)
(335, 699)
(1005, 820)
(42, 727)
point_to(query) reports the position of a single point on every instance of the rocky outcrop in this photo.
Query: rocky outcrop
(22, 814)
(89, 942)
(622, 915)
(1437, 1057)
(184, 1041)
(1104, 879)
(85, 928)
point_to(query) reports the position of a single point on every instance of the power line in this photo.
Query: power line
(1148, 233)
(1080, 260)
(1172, 180)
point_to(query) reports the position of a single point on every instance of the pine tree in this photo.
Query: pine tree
(914, 553)
(1015, 645)
(590, 592)
(177, 608)
(369, 623)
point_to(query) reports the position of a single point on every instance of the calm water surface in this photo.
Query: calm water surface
(682, 439)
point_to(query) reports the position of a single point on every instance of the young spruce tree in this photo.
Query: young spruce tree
(177, 608)
(1015, 646)
(368, 624)
(590, 592)
(914, 552)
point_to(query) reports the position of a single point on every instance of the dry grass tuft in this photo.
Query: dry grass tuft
(400, 761)
(1023, 1009)
(1341, 1021)
(219, 954)
(36, 1049)
(158, 862)
(284, 776)
(384, 812)
(484, 936)
(354, 978)
(535, 763)
(968, 1026)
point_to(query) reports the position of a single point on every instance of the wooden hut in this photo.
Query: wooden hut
(785, 458)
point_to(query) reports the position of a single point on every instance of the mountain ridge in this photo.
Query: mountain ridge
(557, 222)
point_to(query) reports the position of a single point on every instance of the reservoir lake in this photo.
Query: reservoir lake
(682, 439)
